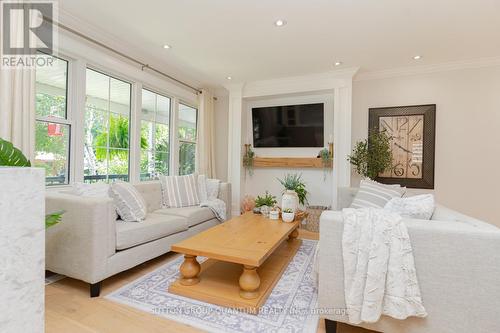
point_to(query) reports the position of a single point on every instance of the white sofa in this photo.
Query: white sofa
(458, 267)
(91, 245)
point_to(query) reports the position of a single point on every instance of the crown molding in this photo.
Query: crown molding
(427, 69)
(304, 83)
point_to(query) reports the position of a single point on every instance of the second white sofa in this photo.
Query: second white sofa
(91, 245)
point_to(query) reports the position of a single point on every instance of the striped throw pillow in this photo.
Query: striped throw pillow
(129, 203)
(180, 191)
(376, 195)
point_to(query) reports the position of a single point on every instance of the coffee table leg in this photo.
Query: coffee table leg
(249, 282)
(189, 269)
(294, 234)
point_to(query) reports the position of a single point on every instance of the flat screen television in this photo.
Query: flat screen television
(288, 126)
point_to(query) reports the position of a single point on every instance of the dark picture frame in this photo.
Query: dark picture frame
(396, 120)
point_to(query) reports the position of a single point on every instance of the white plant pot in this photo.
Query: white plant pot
(290, 200)
(287, 217)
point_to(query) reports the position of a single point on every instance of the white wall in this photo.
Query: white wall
(467, 127)
(318, 183)
(221, 135)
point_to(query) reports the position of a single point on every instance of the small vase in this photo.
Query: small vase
(290, 200)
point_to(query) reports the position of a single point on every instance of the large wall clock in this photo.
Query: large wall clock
(412, 132)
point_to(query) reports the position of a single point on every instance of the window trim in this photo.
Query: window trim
(130, 117)
(180, 141)
(67, 120)
(170, 112)
(82, 56)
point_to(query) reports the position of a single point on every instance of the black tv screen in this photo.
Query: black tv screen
(288, 126)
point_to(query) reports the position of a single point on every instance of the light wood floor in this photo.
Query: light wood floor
(69, 309)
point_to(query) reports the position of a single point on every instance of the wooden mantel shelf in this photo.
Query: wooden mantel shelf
(287, 162)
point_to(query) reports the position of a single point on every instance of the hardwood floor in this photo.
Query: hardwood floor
(68, 307)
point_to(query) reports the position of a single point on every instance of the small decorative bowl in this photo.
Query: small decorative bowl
(274, 214)
(287, 217)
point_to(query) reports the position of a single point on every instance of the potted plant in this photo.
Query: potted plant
(326, 160)
(13, 157)
(248, 159)
(295, 192)
(287, 215)
(265, 202)
(373, 155)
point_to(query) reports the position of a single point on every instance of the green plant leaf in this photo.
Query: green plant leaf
(53, 219)
(11, 156)
(373, 155)
(266, 200)
(295, 183)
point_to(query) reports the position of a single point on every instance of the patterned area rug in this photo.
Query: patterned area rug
(290, 307)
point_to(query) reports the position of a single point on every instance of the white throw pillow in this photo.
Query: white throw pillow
(213, 189)
(180, 191)
(128, 201)
(376, 195)
(415, 207)
(96, 190)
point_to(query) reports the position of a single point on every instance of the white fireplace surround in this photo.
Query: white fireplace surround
(338, 83)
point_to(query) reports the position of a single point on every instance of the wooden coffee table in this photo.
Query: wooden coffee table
(247, 256)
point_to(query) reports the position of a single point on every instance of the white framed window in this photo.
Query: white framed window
(53, 122)
(107, 128)
(155, 135)
(187, 136)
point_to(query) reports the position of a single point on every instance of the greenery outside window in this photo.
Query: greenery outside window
(52, 126)
(107, 127)
(187, 134)
(155, 135)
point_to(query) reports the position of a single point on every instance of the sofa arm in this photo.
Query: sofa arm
(81, 243)
(225, 195)
(454, 262)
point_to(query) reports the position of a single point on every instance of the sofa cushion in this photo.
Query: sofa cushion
(194, 215)
(128, 201)
(155, 226)
(151, 192)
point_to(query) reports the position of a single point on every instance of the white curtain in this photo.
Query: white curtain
(17, 104)
(205, 152)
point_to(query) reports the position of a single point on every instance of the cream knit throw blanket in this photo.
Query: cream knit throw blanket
(379, 268)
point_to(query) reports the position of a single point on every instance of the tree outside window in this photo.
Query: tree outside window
(107, 114)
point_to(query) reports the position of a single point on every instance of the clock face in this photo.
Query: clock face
(407, 133)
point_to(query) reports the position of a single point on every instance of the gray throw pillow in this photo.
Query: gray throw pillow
(376, 195)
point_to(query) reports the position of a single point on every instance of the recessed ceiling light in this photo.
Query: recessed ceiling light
(338, 63)
(280, 23)
(417, 57)
(229, 78)
(166, 46)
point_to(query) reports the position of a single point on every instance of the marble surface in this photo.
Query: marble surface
(22, 249)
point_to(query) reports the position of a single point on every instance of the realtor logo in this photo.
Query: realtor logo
(26, 29)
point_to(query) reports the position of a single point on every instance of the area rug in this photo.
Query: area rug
(291, 306)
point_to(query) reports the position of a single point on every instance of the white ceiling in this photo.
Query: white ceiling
(213, 39)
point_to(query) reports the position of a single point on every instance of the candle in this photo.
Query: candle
(330, 139)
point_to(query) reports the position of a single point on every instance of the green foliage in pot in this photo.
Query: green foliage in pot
(295, 183)
(13, 157)
(248, 160)
(266, 200)
(373, 155)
